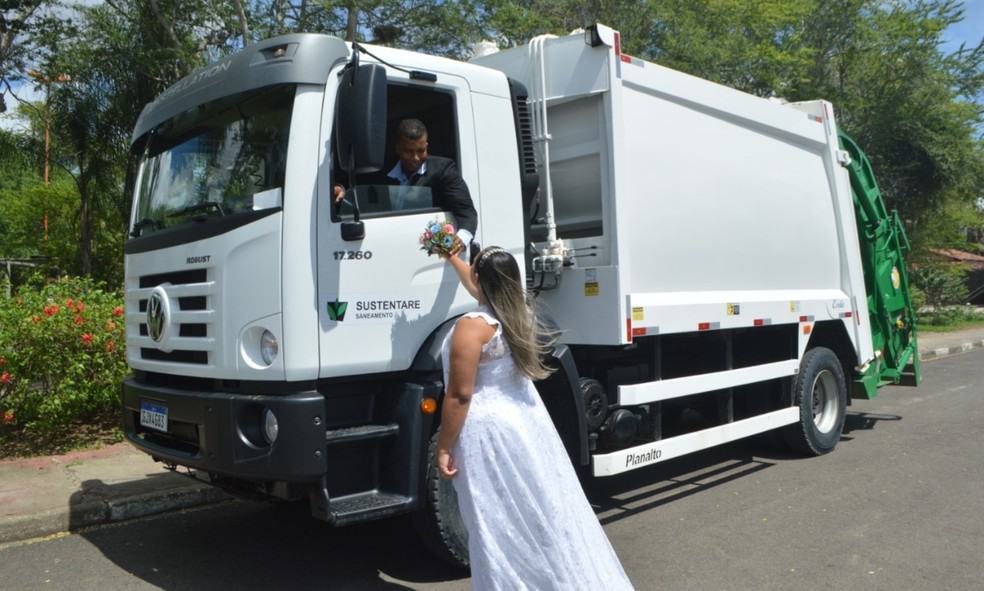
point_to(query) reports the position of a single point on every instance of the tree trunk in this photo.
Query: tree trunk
(85, 228)
(165, 24)
(242, 22)
(353, 22)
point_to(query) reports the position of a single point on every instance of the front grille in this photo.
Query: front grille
(175, 278)
(189, 292)
(196, 357)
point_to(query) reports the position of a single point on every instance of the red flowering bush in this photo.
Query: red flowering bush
(62, 355)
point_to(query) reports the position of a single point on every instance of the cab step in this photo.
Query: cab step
(367, 506)
(360, 433)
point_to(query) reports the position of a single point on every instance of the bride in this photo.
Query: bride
(529, 523)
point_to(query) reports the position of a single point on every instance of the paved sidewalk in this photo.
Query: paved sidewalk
(940, 344)
(48, 495)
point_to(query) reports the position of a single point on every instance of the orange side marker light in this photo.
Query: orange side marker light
(428, 406)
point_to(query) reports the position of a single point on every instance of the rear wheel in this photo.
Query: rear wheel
(820, 392)
(438, 522)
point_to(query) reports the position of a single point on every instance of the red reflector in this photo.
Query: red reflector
(758, 322)
(628, 329)
(625, 58)
(618, 44)
(704, 326)
(638, 332)
(848, 314)
(803, 319)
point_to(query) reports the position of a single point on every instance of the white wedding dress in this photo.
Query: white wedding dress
(529, 523)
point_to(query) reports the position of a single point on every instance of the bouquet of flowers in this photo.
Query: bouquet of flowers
(439, 238)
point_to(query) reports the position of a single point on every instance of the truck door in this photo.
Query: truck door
(379, 298)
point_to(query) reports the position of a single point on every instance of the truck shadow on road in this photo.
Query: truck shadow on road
(243, 545)
(626, 495)
(865, 421)
(635, 492)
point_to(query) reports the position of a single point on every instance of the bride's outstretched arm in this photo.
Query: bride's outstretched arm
(464, 272)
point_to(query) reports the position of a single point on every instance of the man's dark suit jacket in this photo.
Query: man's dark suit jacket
(449, 190)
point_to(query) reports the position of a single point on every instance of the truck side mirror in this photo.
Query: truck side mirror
(360, 119)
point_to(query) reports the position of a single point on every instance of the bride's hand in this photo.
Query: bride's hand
(445, 465)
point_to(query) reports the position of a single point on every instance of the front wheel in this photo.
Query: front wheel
(438, 522)
(820, 392)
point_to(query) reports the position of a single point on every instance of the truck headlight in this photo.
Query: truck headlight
(268, 347)
(270, 427)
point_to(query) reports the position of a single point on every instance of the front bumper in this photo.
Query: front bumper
(217, 432)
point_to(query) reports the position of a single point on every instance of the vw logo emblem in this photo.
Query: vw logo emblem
(156, 316)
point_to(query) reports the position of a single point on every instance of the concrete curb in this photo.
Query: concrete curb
(107, 511)
(952, 350)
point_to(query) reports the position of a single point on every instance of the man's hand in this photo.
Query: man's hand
(339, 192)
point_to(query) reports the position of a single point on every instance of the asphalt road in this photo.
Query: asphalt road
(899, 505)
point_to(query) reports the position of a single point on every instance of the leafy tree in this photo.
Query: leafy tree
(941, 283)
(19, 165)
(18, 19)
(22, 232)
(756, 47)
(913, 109)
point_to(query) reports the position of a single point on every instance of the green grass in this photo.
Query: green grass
(951, 319)
(950, 326)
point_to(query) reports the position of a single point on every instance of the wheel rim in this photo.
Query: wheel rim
(825, 401)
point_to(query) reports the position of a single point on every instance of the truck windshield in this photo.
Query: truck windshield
(222, 158)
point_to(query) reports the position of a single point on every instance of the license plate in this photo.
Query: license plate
(153, 416)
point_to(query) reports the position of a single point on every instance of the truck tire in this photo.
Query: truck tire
(820, 392)
(438, 522)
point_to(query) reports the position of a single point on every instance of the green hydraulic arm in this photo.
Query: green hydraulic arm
(883, 244)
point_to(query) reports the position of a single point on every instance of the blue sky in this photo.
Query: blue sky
(970, 30)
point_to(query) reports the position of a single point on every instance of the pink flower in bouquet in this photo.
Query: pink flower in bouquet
(427, 235)
(448, 229)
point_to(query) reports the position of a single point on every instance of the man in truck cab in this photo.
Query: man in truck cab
(417, 168)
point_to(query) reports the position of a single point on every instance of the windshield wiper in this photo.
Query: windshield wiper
(199, 207)
(145, 223)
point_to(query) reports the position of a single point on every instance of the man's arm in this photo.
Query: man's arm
(452, 194)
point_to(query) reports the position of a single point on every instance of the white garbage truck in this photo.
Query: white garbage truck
(718, 265)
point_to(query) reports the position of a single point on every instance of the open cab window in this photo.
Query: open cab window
(381, 196)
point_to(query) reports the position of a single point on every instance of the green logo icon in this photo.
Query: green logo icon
(336, 310)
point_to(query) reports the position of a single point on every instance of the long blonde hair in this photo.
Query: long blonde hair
(500, 283)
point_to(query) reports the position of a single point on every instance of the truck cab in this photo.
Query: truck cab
(269, 349)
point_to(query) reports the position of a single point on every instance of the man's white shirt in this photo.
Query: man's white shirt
(397, 173)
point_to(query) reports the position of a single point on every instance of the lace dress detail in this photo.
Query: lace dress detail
(529, 524)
